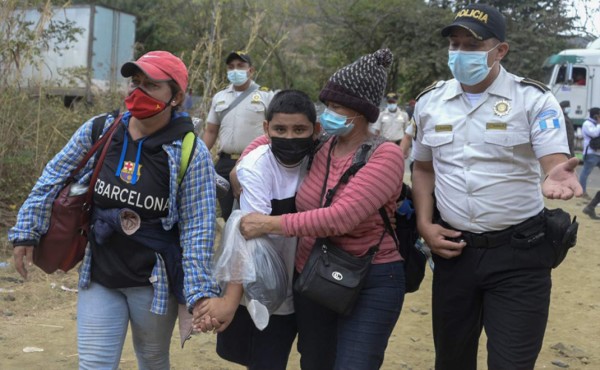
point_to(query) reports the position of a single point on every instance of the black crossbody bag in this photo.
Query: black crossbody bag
(331, 276)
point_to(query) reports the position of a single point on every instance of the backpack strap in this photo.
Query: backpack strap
(98, 127)
(99, 123)
(361, 157)
(252, 88)
(367, 148)
(187, 151)
(321, 140)
(388, 226)
(362, 153)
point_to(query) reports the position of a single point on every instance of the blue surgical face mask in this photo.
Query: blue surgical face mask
(335, 124)
(392, 107)
(567, 110)
(237, 77)
(469, 67)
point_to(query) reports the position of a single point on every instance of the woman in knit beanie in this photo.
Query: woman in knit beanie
(327, 340)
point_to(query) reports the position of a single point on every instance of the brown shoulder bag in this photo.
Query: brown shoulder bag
(63, 245)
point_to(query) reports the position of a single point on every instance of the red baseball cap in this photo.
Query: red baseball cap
(160, 66)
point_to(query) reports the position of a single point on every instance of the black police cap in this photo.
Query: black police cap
(483, 21)
(241, 55)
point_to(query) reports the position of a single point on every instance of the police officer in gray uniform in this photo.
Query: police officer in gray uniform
(481, 138)
(236, 118)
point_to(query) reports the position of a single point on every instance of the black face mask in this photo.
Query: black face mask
(291, 151)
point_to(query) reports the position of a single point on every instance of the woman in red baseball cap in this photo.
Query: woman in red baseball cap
(152, 234)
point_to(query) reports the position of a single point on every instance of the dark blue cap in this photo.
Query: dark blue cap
(483, 21)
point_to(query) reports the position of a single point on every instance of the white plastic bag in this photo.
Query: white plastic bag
(271, 284)
(256, 264)
(233, 260)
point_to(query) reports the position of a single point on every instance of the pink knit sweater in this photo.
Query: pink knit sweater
(352, 221)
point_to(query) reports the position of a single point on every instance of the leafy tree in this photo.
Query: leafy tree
(299, 43)
(22, 40)
(410, 28)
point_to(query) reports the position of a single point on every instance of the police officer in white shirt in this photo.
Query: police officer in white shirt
(392, 120)
(481, 138)
(236, 117)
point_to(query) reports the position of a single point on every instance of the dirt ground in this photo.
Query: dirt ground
(41, 313)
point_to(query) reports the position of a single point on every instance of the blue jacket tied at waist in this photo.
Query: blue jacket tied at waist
(149, 233)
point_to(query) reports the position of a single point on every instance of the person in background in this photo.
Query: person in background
(410, 108)
(327, 340)
(270, 176)
(591, 157)
(481, 138)
(125, 282)
(392, 121)
(236, 118)
(579, 78)
(590, 208)
(566, 109)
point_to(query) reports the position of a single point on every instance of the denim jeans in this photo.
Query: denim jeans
(103, 315)
(589, 162)
(327, 340)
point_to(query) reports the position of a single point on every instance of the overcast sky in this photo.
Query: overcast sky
(593, 7)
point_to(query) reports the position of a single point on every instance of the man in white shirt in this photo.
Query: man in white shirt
(236, 117)
(392, 121)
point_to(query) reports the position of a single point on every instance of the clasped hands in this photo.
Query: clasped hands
(213, 314)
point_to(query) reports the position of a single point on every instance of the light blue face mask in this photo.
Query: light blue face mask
(469, 67)
(392, 107)
(335, 124)
(237, 77)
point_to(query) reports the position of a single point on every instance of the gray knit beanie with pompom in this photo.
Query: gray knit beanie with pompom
(360, 85)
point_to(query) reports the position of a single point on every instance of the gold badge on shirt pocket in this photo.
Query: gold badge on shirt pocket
(501, 108)
(255, 98)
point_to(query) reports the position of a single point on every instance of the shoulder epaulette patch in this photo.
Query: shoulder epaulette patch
(264, 88)
(540, 85)
(427, 89)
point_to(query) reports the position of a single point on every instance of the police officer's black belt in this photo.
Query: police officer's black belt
(494, 239)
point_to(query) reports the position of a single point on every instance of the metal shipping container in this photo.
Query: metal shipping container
(107, 41)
